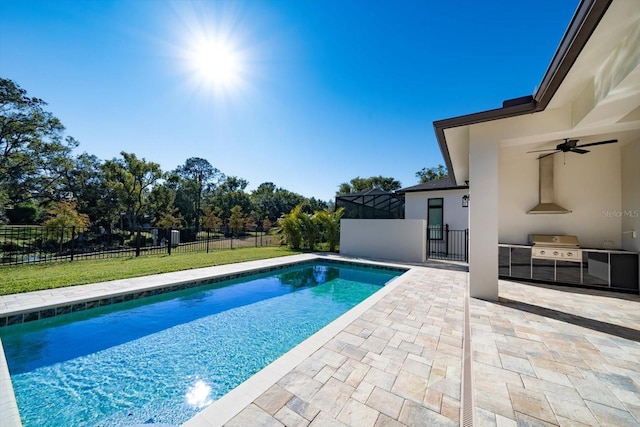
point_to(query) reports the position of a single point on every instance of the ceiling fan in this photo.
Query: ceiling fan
(571, 145)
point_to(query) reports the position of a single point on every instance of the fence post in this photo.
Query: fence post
(256, 234)
(231, 240)
(466, 245)
(169, 241)
(446, 242)
(428, 241)
(73, 236)
(138, 242)
(61, 239)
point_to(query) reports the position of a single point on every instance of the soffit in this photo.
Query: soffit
(619, 21)
(611, 117)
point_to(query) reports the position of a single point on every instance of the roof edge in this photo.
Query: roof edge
(582, 25)
(457, 187)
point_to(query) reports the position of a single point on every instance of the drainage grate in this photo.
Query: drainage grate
(467, 406)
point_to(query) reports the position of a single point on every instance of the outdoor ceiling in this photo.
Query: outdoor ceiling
(618, 23)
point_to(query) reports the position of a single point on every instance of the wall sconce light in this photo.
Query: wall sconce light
(465, 201)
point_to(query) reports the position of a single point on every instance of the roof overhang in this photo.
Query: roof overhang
(424, 190)
(561, 84)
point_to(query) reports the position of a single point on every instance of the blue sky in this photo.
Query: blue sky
(320, 91)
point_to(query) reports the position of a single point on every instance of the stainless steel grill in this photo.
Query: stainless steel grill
(555, 247)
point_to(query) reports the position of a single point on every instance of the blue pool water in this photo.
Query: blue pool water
(163, 359)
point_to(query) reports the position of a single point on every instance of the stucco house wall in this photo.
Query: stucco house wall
(453, 213)
(388, 239)
(587, 184)
(630, 213)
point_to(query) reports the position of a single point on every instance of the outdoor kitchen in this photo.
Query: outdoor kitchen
(581, 230)
(584, 119)
(561, 260)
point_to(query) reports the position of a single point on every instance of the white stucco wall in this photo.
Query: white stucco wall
(630, 213)
(389, 239)
(454, 214)
(589, 185)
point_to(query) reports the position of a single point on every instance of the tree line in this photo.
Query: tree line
(41, 180)
(389, 184)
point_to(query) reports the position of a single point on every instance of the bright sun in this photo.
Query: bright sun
(215, 63)
(211, 48)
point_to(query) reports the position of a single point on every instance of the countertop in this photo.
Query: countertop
(587, 249)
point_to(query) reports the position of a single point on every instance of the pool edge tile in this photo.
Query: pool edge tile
(9, 414)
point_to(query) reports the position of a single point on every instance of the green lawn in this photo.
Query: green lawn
(26, 278)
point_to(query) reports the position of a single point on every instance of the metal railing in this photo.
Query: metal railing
(35, 244)
(443, 243)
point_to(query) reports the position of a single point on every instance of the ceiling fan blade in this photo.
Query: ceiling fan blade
(547, 155)
(611, 141)
(579, 150)
(540, 151)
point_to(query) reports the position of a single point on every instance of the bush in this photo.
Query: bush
(23, 213)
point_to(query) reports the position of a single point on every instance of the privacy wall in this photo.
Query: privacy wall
(389, 239)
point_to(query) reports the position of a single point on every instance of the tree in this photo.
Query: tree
(250, 222)
(131, 179)
(170, 218)
(310, 230)
(33, 153)
(230, 193)
(210, 220)
(263, 202)
(330, 226)
(357, 185)
(292, 227)
(64, 214)
(26, 212)
(197, 176)
(86, 182)
(432, 174)
(236, 220)
(233, 183)
(313, 205)
(161, 199)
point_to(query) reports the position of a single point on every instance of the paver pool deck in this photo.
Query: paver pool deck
(541, 355)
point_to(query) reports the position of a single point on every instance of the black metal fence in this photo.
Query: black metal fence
(443, 243)
(34, 244)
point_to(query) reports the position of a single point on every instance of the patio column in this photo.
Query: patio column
(483, 218)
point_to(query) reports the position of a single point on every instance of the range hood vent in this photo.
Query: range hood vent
(546, 204)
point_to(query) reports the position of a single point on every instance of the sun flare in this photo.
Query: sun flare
(216, 63)
(210, 45)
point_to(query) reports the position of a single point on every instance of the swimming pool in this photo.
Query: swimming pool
(163, 359)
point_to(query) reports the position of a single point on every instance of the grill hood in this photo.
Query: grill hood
(546, 204)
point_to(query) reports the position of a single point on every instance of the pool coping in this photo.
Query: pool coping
(76, 298)
(9, 414)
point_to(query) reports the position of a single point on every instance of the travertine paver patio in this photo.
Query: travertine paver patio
(542, 355)
(398, 364)
(556, 356)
